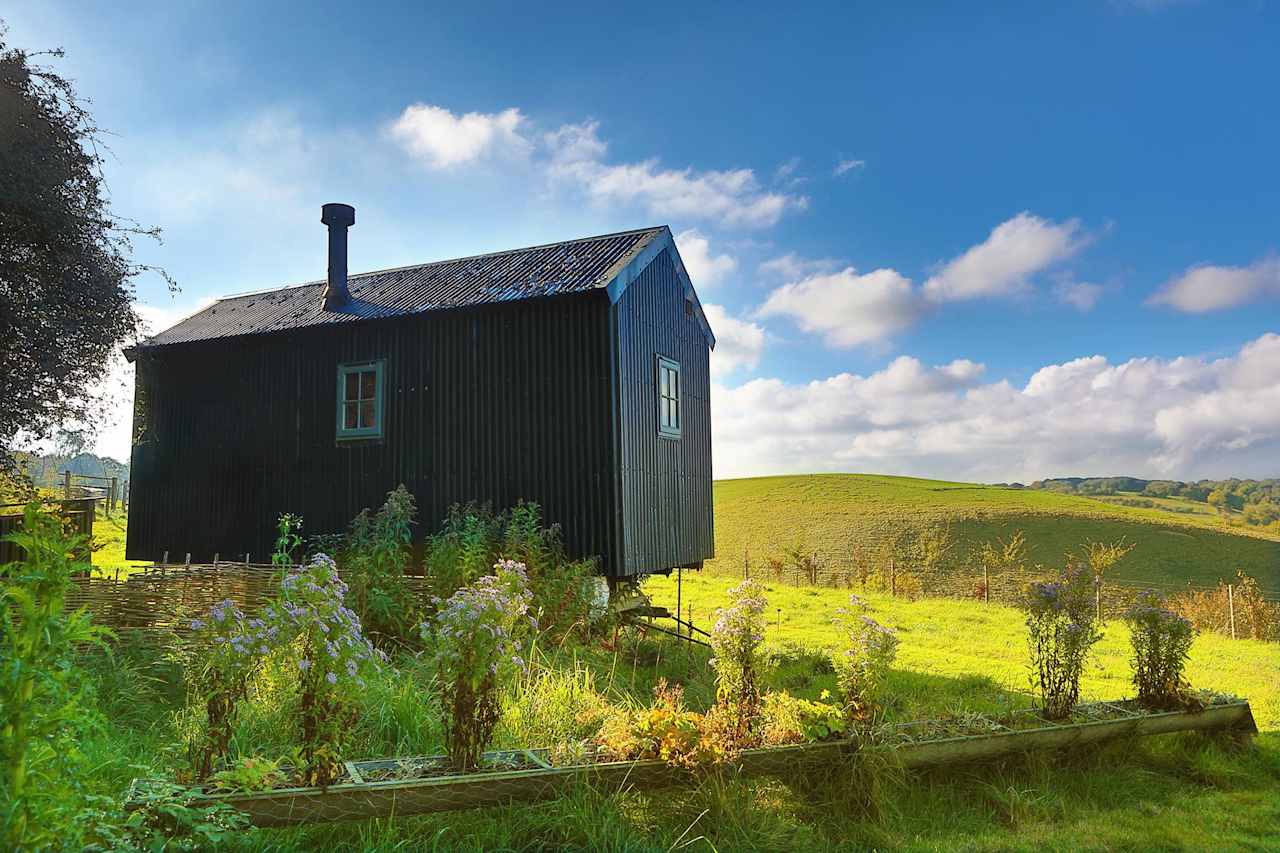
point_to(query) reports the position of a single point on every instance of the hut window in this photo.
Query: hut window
(668, 397)
(360, 400)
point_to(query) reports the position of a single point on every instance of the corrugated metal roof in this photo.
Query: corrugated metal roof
(573, 266)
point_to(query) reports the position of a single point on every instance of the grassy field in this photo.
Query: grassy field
(836, 513)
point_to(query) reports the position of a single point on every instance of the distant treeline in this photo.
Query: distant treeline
(1257, 501)
(45, 471)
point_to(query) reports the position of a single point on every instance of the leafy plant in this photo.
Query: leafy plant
(473, 538)
(786, 719)
(1161, 645)
(168, 817)
(288, 540)
(735, 642)
(248, 774)
(374, 558)
(1062, 629)
(862, 664)
(334, 657)
(478, 637)
(41, 707)
(665, 731)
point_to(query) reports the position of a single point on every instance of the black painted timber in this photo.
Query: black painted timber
(548, 399)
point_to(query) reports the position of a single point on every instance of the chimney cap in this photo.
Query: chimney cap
(335, 213)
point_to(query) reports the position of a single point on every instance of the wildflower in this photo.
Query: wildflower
(304, 664)
(331, 678)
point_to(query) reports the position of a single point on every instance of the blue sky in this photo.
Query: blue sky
(994, 243)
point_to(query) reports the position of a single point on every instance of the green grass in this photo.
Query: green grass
(836, 513)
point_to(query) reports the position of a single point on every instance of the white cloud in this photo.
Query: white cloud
(791, 266)
(739, 343)
(1213, 288)
(1080, 295)
(1185, 417)
(732, 197)
(847, 308)
(705, 268)
(848, 166)
(441, 139)
(1001, 264)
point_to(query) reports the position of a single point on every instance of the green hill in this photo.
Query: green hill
(840, 513)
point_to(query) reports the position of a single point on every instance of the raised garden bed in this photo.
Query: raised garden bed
(418, 785)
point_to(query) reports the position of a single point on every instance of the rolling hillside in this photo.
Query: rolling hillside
(836, 513)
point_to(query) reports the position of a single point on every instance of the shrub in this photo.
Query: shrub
(334, 657)
(785, 719)
(288, 540)
(374, 558)
(222, 652)
(1161, 643)
(666, 731)
(862, 665)
(41, 708)
(1062, 629)
(478, 637)
(735, 642)
(1210, 610)
(473, 538)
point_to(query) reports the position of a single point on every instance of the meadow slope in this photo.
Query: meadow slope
(837, 513)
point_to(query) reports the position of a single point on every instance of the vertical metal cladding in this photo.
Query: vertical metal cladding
(665, 483)
(495, 403)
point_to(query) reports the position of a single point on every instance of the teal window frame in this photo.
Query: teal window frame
(345, 433)
(668, 389)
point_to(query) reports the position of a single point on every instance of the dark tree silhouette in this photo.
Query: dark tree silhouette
(66, 294)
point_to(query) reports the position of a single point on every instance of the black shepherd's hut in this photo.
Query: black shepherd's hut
(573, 374)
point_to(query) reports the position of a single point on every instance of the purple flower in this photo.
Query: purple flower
(304, 664)
(331, 678)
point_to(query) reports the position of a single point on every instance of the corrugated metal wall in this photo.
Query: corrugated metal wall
(666, 483)
(496, 403)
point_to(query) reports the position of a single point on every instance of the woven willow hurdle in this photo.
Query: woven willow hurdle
(358, 799)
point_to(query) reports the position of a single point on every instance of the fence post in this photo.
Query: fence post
(165, 560)
(893, 577)
(986, 585)
(112, 495)
(746, 564)
(1231, 608)
(66, 484)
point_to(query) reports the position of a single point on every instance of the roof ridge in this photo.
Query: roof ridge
(320, 281)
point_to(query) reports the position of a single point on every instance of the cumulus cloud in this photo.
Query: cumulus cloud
(732, 197)
(848, 308)
(441, 139)
(791, 266)
(1184, 417)
(705, 268)
(1207, 288)
(847, 166)
(739, 343)
(1080, 295)
(1002, 264)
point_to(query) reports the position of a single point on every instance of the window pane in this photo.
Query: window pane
(675, 418)
(367, 415)
(349, 415)
(368, 385)
(353, 387)
(662, 381)
(675, 385)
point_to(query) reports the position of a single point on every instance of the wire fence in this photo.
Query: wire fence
(1241, 608)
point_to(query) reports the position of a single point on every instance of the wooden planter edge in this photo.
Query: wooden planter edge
(361, 800)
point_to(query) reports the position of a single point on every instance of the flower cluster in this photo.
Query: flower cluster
(1161, 644)
(334, 656)
(478, 636)
(735, 642)
(1062, 626)
(223, 651)
(862, 665)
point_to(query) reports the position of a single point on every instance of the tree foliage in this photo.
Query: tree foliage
(66, 293)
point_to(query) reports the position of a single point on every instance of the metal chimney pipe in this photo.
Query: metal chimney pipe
(339, 217)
